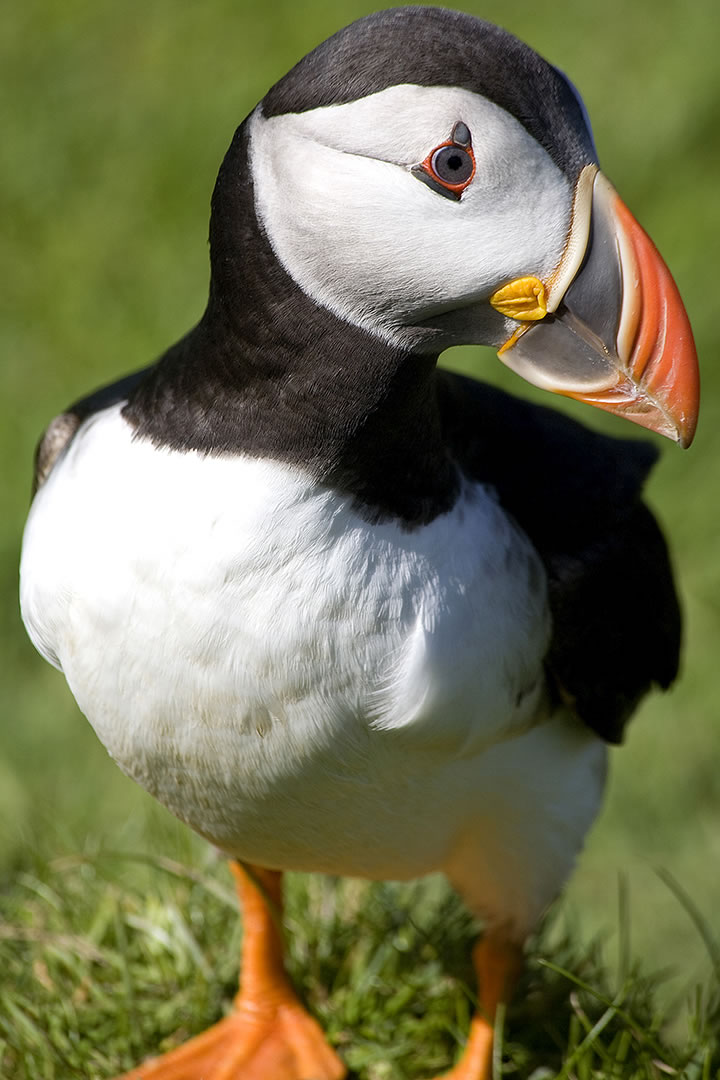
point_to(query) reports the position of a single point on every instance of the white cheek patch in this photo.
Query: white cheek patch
(393, 125)
(366, 239)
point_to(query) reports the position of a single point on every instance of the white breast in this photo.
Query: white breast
(290, 680)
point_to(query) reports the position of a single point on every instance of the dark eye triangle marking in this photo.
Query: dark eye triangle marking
(435, 185)
(461, 135)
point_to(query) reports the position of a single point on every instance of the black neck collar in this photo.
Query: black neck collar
(269, 373)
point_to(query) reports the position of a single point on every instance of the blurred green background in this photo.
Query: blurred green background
(113, 120)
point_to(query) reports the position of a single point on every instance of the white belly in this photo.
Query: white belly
(305, 689)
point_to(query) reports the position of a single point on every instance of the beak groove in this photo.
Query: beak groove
(655, 340)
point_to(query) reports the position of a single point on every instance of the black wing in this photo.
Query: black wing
(61, 430)
(616, 619)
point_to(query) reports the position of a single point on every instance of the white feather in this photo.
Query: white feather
(305, 689)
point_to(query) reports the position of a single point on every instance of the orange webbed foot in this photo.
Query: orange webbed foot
(287, 1045)
(268, 1035)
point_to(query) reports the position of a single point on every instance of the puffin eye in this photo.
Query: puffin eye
(450, 167)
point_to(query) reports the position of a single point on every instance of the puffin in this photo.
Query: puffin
(338, 609)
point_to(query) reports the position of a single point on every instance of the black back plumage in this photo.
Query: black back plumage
(577, 495)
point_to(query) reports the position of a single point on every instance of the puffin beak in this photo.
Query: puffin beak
(609, 328)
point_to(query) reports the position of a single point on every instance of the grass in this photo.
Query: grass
(114, 119)
(109, 958)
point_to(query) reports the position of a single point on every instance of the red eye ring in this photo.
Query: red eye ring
(430, 166)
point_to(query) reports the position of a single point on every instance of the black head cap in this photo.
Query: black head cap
(429, 46)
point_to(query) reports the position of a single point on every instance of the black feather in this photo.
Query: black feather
(429, 46)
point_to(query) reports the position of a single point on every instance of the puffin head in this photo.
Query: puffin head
(427, 177)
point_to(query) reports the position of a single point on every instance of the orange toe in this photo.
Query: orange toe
(288, 1045)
